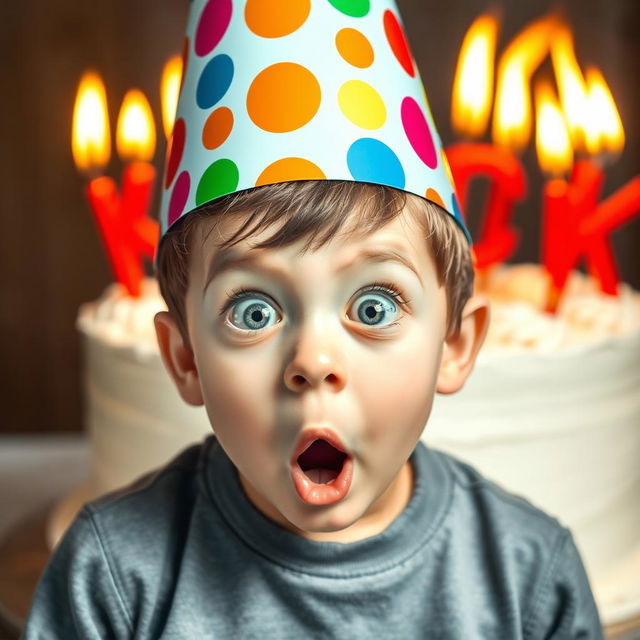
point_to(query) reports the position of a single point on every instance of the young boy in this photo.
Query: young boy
(314, 317)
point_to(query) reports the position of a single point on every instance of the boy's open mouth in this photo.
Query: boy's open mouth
(321, 467)
(321, 462)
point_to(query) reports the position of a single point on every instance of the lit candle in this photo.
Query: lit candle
(127, 232)
(136, 143)
(576, 225)
(555, 155)
(470, 109)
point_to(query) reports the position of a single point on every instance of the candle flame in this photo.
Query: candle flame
(571, 86)
(553, 145)
(170, 92)
(473, 82)
(91, 136)
(512, 113)
(604, 132)
(136, 133)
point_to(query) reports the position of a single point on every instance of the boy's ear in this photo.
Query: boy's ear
(178, 358)
(460, 350)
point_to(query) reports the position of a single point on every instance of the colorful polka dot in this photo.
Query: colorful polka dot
(179, 197)
(283, 97)
(447, 166)
(217, 128)
(434, 196)
(418, 132)
(354, 48)
(398, 42)
(362, 104)
(219, 179)
(370, 160)
(176, 149)
(276, 18)
(353, 8)
(287, 169)
(213, 24)
(214, 81)
(426, 101)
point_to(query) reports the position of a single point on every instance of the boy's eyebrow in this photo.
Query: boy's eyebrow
(230, 259)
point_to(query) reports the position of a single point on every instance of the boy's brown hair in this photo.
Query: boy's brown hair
(311, 208)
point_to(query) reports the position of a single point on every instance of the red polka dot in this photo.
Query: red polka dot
(213, 24)
(176, 149)
(398, 42)
(417, 129)
(179, 197)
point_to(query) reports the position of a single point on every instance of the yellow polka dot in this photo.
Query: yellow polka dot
(447, 166)
(362, 104)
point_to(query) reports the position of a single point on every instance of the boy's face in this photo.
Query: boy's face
(307, 347)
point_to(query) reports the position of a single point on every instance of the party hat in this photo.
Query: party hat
(282, 90)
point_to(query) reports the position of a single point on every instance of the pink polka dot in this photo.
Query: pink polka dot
(179, 197)
(417, 130)
(213, 24)
(175, 151)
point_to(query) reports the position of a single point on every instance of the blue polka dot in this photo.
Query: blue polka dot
(370, 160)
(214, 81)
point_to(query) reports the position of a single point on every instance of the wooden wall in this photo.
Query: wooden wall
(51, 259)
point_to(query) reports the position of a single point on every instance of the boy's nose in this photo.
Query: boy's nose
(315, 362)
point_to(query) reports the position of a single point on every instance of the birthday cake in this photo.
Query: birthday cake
(135, 417)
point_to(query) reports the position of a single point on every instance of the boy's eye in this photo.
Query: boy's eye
(375, 306)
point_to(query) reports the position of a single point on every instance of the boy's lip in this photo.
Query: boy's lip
(321, 494)
(311, 434)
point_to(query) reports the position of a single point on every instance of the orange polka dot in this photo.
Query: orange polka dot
(354, 47)
(217, 128)
(434, 196)
(287, 169)
(276, 18)
(283, 97)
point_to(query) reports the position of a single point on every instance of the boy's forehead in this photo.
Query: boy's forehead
(402, 236)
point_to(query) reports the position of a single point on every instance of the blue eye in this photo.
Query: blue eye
(375, 309)
(249, 312)
(253, 313)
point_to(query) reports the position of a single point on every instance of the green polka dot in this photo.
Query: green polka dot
(353, 8)
(218, 180)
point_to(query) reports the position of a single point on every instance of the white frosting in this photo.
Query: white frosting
(584, 317)
(551, 410)
(122, 321)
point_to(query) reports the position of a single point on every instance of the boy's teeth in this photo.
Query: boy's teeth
(321, 476)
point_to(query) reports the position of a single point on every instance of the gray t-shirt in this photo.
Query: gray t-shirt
(182, 553)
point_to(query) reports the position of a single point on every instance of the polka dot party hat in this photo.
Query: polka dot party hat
(282, 90)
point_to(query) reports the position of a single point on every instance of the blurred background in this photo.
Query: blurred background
(51, 256)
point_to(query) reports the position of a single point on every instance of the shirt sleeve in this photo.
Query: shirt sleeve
(77, 595)
(564, 607)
